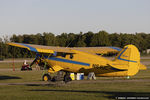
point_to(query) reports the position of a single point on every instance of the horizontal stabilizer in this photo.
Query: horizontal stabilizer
(142, 67)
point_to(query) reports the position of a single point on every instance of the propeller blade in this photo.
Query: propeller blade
(33, 62)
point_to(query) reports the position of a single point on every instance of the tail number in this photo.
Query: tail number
(98, 66)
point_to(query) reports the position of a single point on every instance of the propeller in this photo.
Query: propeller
(33, 61)
(40, 62)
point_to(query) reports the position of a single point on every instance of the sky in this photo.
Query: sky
(59, 16)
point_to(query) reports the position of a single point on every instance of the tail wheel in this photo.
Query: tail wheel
(46, 77)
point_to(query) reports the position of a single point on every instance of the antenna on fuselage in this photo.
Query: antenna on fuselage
(69, 44)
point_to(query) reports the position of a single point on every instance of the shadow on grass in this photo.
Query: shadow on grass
(8, 77)
(46, 84)
(110, 94)
(33, 85)
(49, 83)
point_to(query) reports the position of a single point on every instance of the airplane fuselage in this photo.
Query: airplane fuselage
(84, 62)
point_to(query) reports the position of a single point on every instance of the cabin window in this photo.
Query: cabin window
(63, 55)
(71, 56)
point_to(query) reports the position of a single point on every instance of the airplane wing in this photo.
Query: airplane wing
(41, 48)
(53, 49)
(98, 50)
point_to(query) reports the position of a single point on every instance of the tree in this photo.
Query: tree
(100, 39)
(115, 40)
(71, 40)
(49, 39)
(80, 40)
(88, 38)
(38, 39)
(62, 39)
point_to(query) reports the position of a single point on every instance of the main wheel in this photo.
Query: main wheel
(67, 77)
(58, 77)
(46, 77)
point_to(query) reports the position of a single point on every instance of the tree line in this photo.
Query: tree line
(89, 39)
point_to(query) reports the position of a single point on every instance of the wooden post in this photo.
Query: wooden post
(13, 64)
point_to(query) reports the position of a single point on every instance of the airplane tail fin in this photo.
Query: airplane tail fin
(129, 56)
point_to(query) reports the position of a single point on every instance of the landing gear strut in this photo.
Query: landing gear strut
(58, 77)
(61, 77)
(67, 77)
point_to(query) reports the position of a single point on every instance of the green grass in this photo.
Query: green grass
(99, 91)
(145, 59)
(10, 65)
(72, 91)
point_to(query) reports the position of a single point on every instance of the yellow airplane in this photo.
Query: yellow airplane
(85, 60)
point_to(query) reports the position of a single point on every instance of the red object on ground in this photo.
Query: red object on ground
(26, 67)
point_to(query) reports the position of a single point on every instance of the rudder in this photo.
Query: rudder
(129, 56)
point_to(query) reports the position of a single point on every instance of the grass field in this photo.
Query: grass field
(27, 85)
(145, 59)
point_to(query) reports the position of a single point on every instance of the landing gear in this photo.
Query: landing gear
(67, 77)
(58, 77)
(61, 77)
(46, 77)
